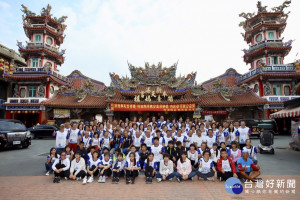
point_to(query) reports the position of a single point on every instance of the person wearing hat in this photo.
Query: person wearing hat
(62, 138)
(246, 168)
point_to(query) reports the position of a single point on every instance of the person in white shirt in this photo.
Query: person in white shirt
(77, 169)
(74, 137)
(61, 138)
(210, 139)
(105, 168)
(244, 132)
(50, 160)
(189, 139)
(166, 169)
(61, 167)
(93, 166)
(199, 138)
(215, 153)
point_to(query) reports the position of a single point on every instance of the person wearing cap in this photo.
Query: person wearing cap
(62, 138)
(246, 168)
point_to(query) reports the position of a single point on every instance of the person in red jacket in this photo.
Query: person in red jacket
(225, 166)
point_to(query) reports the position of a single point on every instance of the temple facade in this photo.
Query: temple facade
(39, 93)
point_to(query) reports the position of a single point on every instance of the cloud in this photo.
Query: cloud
(4, 5)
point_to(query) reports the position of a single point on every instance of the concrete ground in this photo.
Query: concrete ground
(22, 177)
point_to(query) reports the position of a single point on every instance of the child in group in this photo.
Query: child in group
(137, 138)
(193, 156)
(184, 168)
(166, 169)
(225, 166)
(86, 140)
(179, 150)
(92, 150)
(215, 154)
(104, 167)
(147, 139)
(235, 152)
(61, 167)
(150, 167)
(222, 136)
(93, 167)
(223, 146)
(171, 150)
(168, 138)
(50, 160)
(105, 141)
(69, 152)
(105, 150)
(180, 138)
(133, 150)
(252, 150)
(77, 169)
(95, 141)
(115, 155)
(210, 139)
(126, 142)
(202, 149)
(143, 154)
(157, 150)
(160, 138)
(132, 168)
(117, 168)
(206, 169)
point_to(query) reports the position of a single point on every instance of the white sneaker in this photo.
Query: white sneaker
(84, 181)
(90, 180)
(158, 180)
(100, 179)
(171, 179)
(103, 179)
(211, 178)
(47, 174)
(66, 178)
(77, 178)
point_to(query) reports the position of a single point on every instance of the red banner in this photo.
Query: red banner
(214, 112)
(152, 107)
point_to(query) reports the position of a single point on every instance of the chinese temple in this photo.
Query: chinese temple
(37, 81)
(41, 94)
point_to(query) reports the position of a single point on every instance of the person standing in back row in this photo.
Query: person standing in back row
(244, 132)
(62, 138)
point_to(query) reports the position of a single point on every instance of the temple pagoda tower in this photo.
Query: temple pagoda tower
(37, 82)
(269, 76)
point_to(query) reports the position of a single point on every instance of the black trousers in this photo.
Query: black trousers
(106, 172)
(62, 173)
(132, 174)
(149, 171)
(118, 174)
(225, 176)
(242, 146)
(81, 174)
(193, 162)
(96, 173)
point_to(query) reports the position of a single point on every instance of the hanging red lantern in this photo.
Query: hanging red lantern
(1, 64)
(6, 63)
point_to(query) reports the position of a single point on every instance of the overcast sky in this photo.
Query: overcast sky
(102, 35)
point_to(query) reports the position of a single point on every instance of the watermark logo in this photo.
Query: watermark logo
(233, 186)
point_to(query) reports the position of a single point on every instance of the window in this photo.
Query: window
(31, 91)
(274, 60)
(271, 35)
(255, 89)
(276, 89)
(51, 90)
(22, 92)
(35, 62)
(49, 40)
(37, 38)
(258, 38)
(287, 90)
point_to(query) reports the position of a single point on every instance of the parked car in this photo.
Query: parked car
(42, 131)
(257, 125)
(13, 133)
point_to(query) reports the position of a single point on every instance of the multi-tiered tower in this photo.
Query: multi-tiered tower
(269, 77)
(37, 82)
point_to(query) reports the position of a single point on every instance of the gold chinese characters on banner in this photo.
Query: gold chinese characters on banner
(152, 107)
(148, 95)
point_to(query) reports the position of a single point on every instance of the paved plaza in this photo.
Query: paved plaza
(22, 177)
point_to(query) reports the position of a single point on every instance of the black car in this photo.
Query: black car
(42, 131)
(257, 125)
(13, 133)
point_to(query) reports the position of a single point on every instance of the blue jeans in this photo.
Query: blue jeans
(191, 175)
(49, 167)
(158, 175)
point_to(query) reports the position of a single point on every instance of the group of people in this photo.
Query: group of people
(160, 149)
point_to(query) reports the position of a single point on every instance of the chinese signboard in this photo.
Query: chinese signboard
(214, 112)
(61, 113)
(152, 107)
(149, 95)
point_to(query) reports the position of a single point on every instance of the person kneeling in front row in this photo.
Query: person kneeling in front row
(61, 167)
(225, 166)
(166, 169)
(77, 169)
